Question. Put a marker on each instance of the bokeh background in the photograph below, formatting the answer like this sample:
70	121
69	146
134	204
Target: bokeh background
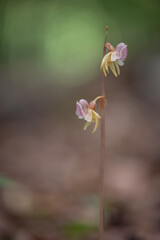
50	55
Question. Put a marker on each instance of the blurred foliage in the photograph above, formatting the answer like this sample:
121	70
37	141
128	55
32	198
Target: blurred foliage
66	37
77	230
5	182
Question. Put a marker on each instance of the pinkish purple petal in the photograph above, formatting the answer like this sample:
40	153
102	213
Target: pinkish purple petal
85	106
120	46
123	53
79	111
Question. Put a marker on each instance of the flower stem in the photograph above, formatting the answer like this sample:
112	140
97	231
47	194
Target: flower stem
97	98
102	154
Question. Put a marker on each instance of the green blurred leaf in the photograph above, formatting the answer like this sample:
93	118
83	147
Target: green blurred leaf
77	230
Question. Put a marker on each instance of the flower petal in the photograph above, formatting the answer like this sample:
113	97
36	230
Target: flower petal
120	46
95	114
103	67
96	125
123	53
86	125
117	67
84	104
79	111
112	67
107	62
103	62
96	117
106	68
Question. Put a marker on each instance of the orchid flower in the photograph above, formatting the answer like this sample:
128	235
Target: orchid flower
114	58
86	111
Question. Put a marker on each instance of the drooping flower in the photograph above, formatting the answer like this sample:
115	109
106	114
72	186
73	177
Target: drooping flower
86	111
114	58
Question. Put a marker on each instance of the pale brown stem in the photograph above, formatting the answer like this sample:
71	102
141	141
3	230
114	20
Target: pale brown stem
97	98
102	155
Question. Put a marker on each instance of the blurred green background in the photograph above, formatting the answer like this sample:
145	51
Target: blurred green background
65	37
50	56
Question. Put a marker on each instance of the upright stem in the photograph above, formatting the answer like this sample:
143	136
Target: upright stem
102	156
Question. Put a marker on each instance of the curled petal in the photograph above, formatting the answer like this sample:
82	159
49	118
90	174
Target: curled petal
103	66
106	69
86	125
105	63
95	118
79	111
108	56
117	67
112	67
96	125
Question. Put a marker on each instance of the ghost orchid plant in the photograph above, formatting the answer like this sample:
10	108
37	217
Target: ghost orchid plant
84	110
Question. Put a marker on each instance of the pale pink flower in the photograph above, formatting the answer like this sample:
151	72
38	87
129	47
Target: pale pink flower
86	111
114	58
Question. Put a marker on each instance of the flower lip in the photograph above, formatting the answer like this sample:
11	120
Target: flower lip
114	56
88	116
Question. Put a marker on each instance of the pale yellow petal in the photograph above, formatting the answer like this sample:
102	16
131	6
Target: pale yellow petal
86	125
112	67
109	57
95	117
106	68
104	64
117	67
108	61
95	114
96	124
